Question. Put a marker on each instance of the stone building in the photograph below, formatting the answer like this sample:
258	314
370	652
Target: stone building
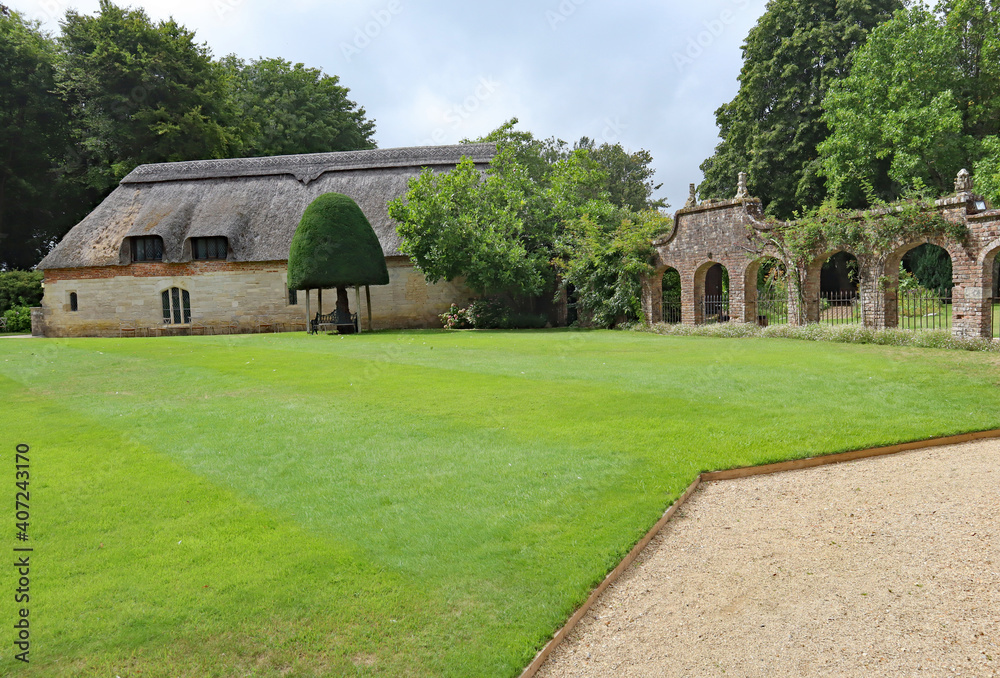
203	246
726	236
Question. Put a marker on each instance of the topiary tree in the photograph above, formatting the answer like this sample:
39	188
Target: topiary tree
335	247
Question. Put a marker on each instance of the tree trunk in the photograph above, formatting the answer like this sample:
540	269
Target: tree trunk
343	309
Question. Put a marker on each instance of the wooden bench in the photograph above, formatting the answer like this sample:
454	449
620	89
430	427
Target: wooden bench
331	321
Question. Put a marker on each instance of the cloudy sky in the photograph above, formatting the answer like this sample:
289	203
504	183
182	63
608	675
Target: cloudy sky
646	73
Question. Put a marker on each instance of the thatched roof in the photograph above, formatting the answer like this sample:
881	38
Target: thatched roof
335	246
255	202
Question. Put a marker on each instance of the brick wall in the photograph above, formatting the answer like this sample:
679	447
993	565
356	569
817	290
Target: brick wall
723	232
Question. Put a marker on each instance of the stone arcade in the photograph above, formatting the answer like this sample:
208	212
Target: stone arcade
725	233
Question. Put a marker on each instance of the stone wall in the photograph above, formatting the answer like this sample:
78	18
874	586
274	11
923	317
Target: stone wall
221	294
727	233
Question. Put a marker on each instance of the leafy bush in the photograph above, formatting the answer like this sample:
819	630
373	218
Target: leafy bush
526	321
20	288
18	319
605	254
490	314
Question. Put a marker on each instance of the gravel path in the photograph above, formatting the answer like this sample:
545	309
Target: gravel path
879	567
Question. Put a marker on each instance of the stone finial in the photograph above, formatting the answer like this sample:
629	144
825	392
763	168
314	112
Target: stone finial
963	184
692	197
741	190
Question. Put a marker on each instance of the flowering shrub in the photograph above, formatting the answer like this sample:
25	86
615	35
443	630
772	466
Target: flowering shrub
489	314
456	318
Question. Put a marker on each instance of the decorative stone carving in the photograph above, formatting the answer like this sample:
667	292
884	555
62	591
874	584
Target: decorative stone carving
963	183
692	200
741	187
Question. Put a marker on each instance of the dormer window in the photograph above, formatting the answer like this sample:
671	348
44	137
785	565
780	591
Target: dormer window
209	248
147	248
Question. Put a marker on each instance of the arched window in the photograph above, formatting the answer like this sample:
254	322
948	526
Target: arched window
147	248
73	303
176	306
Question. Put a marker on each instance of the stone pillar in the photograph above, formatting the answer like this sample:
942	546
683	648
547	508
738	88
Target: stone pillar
37	321
652	298
737	293
971	310
807	302
691	298
879	303
796	307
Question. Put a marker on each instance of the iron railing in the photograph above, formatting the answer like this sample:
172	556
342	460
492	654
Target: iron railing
924	310
770	308
840	308
672	308
715	308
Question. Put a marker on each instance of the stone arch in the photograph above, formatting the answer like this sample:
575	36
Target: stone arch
811	303
711	302
672	295
988	268
931	311
773	307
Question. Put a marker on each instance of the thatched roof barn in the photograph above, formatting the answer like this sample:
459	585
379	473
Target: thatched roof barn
255	202
172	225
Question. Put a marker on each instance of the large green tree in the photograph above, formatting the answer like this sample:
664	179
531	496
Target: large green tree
629	175
285	109
922	102
895	119
140	92
34	136
772	128
538	209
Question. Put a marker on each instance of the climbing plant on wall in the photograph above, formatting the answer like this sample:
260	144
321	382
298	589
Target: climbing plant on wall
874	233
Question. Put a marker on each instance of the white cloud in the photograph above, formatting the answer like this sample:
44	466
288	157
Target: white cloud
608	71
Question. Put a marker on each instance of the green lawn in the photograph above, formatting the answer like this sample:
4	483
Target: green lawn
396	504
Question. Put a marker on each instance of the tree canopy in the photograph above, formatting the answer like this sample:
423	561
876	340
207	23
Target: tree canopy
34	136
140	92
286	109
772	128
114	90
504	229
335	246
922	102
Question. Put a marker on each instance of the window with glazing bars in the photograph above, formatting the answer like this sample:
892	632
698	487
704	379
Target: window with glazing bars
176	306
293	297
147	248
209	248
